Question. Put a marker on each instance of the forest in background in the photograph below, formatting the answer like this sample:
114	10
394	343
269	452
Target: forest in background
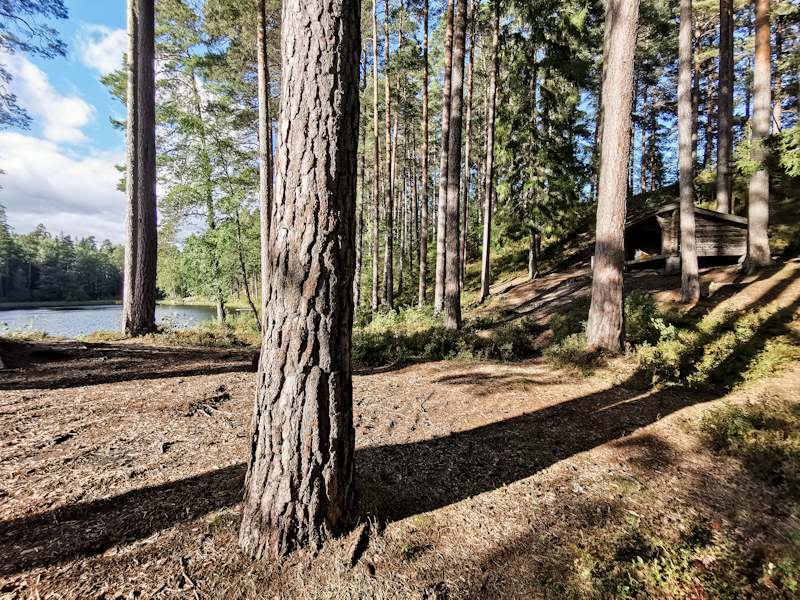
40	267
546	137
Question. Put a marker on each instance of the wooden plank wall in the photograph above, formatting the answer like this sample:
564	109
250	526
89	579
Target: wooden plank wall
714	237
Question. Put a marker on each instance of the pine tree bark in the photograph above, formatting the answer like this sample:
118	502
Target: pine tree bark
696	96
376	163
388	261
441	231
423	226
300	481
643	169
690	279
709	119
140	314
605	328
489	174
264	143
468	146
725	105
452	301
361	173
131	172
758	255
777	109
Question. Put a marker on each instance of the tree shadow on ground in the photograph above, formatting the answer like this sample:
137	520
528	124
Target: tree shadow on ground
595	545
90	528
52	365
406	479
394	481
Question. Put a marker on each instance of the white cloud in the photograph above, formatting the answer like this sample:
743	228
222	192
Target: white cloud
102	48
69	194
63	117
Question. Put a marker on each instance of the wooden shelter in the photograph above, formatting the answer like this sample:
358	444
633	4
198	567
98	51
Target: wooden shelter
657	234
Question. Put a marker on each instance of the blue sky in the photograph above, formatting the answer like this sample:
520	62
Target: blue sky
61	171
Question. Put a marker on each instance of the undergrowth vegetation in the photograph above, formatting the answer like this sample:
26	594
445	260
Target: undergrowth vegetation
688	557
415	333
764	436
714	351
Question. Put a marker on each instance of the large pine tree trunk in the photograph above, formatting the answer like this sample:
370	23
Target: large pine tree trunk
423	226
605	328
452	300
441	231
300	480
141	313
376	162
487	202
725	116
264	143
690	280
758	255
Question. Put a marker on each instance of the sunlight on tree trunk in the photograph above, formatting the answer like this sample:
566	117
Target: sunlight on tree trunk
489	192
452	301
441	230
690	280
758	255
725	117
605	326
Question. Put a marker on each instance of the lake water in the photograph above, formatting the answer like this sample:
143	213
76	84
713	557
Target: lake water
81	320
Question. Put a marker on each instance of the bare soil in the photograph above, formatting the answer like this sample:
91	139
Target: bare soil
122	466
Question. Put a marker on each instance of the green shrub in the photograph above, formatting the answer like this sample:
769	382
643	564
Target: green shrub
242	321
721	351
412	333
766	437
570	320
569	351
640	319
642	325
104	336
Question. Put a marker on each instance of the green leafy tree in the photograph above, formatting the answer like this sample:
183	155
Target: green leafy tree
20	32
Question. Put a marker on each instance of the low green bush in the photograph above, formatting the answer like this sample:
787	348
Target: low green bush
765	437
409	334
720	351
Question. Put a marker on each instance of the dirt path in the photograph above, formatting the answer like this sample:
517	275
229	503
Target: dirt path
121	473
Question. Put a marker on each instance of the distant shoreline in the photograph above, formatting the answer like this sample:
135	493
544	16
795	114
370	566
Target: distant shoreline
65	304
61	304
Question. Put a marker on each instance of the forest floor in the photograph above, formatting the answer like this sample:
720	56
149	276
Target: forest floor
122	468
